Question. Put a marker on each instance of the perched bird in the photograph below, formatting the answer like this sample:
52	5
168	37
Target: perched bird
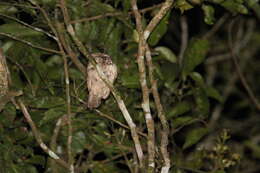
97	88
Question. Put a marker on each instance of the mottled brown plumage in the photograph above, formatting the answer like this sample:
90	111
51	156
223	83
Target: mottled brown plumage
97	88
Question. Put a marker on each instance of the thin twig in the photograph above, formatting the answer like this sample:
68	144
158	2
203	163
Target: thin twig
190	169
53	142
29	26
45	15
128	163
157	18
117	122
236	47
110	117
38	136
184	37
216	27
68	100
17	5
25	75
216	113
239	71
111	14
29	43
72	54
58	34
161	114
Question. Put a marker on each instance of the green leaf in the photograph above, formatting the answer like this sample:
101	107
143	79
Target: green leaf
18	30
7	45
8	10
220	171
167	54
182	121
255	6
93	30
209	12
36	159
158	70
169	72
213	93
255	148
54	61
240	1
173	86
40	66
217	1
126	5
24	168
197	2
97	8
202	102
75	74
198	79
159	30
183	5
234	7
46	102
112	43
130	77
106	31
19	134
194	136
82	31
48	2
194	55
52	114
7	116
54	73
19	151
130	81
104	168
179	109
251	3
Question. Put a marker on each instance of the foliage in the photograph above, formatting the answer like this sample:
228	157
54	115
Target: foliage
200	92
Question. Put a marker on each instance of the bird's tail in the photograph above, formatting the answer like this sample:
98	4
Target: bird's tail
93	101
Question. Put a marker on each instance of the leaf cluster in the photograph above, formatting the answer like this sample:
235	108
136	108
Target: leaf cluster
190	87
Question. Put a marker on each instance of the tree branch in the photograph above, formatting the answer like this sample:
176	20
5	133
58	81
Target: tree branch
38	136
111	14
68	98
184	37
161	114
239	71
29	43
145	90
157	18
116	94
29	26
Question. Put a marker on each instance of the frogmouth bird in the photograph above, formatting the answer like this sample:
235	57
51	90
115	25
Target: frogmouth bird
97	88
